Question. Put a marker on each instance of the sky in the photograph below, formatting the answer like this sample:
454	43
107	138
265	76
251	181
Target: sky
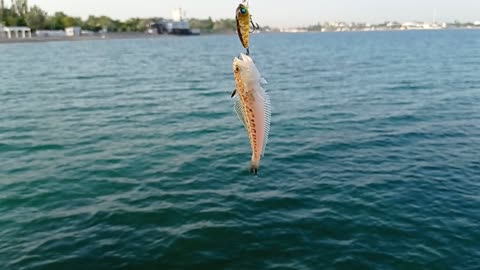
276	13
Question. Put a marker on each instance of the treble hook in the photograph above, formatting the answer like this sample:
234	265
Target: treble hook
254	25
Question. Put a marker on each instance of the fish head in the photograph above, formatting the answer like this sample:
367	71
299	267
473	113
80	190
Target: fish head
242	12
242	63
245	69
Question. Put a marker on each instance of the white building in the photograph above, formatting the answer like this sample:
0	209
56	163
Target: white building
73	31
293	30
476	23
412	26
86	33
17	32
50	33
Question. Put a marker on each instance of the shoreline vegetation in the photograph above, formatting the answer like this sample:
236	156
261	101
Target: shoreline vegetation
19	14
104	27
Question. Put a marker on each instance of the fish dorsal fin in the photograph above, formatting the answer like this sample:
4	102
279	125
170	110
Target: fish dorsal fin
237	106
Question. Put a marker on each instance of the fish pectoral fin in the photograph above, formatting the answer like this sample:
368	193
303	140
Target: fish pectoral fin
234	92
239	111
263	81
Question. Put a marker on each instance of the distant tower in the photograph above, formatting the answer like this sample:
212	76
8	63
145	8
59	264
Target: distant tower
178	15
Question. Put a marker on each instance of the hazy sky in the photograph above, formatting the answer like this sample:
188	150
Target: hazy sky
276	13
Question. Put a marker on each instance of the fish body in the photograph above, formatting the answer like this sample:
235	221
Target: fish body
243	24
252	105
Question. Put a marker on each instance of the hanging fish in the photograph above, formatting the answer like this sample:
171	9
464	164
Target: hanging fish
252	105
243	25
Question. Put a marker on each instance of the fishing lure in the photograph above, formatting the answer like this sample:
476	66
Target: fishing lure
244	21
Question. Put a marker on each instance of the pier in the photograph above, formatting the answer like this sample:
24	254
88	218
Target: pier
15	32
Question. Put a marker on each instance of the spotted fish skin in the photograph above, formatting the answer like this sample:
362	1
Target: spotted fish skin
252	106
243	24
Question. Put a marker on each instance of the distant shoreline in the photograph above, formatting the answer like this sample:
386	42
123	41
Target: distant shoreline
107	36
113	36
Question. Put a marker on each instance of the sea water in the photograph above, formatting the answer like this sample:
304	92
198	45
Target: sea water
126	154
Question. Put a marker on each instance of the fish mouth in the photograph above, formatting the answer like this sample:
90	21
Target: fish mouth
242	60
243	57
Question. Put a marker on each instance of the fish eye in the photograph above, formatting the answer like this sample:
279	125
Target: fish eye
243	10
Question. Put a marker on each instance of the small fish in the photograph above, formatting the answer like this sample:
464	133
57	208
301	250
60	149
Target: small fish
243	24
252	105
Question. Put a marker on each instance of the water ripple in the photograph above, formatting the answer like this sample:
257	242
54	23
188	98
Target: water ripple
134	159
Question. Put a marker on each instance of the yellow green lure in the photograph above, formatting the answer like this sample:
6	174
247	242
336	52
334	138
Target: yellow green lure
243	25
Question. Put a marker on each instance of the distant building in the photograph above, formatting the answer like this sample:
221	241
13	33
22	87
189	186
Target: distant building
293	30
50	33
412	26
177	26
73	31
394	25
169	27
87	33
476	23
17	32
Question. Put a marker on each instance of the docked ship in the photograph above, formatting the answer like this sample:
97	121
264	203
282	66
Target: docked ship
178	25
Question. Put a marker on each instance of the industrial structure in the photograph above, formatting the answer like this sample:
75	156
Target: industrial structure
178	25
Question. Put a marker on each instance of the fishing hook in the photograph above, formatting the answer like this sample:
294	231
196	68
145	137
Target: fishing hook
255	25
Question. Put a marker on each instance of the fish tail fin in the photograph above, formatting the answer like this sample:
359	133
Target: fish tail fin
254	166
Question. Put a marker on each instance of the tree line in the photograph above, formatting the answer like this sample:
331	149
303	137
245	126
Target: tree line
37	19
210	26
